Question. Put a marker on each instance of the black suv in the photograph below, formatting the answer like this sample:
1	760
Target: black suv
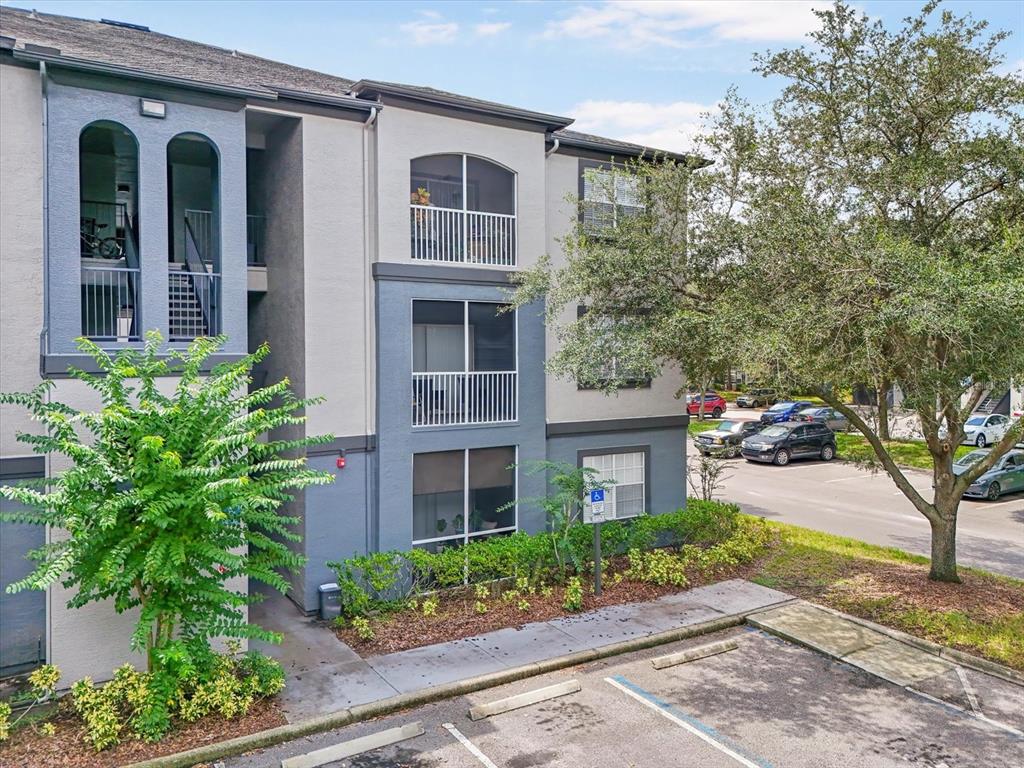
787	440
725	440
755	398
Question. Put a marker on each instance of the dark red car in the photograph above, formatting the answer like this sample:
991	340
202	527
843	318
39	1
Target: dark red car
714	404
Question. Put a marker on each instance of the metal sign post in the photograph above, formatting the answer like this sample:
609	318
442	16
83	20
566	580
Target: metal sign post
596	517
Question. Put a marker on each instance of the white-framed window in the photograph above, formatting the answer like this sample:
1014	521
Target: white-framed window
612	367
608	194
463	494
625	474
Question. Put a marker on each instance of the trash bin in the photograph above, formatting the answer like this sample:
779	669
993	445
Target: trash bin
330	601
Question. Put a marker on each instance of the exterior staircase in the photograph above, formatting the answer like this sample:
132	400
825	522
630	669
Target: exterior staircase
185	315
992	400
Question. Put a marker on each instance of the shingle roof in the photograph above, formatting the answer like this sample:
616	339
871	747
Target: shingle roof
374	87
614	146
161	54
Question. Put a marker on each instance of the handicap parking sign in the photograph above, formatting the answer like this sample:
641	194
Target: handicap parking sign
597	495
595	513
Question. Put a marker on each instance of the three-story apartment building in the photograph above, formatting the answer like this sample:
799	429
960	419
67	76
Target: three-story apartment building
366	230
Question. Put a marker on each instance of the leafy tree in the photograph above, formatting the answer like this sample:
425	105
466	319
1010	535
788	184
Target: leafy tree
650	271
169	496
887	206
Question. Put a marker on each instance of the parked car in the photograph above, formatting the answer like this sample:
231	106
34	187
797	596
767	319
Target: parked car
983	429
1006	476
714	404
787	440
830	417
755	398
784	411
726	440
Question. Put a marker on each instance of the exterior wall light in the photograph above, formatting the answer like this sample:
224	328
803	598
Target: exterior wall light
150	108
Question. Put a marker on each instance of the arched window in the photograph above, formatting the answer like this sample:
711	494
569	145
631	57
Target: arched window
108	185
193	227
462	209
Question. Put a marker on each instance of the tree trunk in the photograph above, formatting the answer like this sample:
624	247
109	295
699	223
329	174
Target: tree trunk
882	393
944	550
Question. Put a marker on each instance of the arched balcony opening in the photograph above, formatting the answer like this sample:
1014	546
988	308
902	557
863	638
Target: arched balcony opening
108	185
193	231
462	209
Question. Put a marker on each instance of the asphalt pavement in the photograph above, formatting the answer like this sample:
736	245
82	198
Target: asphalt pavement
766	703
843	499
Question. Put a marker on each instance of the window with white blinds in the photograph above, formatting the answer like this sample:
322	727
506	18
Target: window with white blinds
608	194
624	473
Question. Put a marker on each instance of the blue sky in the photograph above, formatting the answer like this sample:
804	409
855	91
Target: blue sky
636	70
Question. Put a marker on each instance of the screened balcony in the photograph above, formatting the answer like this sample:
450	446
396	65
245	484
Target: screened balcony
462	210
464	364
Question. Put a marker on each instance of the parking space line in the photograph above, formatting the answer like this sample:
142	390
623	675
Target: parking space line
484	759
976	715
696	727
971	698
844	479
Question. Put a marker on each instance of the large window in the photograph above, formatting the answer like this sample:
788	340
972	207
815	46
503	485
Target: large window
463	209
613	365
463	362
626	474
464	494
608	194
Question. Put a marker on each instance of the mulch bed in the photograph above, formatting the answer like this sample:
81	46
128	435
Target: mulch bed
456	618
28	748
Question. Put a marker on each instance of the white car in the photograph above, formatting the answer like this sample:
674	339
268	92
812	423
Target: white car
983	429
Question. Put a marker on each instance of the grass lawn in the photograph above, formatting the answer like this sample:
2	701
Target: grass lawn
984	615
906	453
696	427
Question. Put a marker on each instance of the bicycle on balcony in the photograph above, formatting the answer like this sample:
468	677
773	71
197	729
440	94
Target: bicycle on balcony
97	247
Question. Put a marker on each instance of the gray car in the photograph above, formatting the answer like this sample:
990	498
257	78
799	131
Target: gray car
830	417
1006	476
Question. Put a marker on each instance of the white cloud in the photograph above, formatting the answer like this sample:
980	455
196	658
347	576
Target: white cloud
678	23
428	33
668	125
491	28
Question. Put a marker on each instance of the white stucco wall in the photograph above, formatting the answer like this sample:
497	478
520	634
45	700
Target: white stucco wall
565	401
21	245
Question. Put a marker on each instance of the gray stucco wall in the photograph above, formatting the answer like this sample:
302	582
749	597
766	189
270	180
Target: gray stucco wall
21	246
71	109
336	517
398	441
667	469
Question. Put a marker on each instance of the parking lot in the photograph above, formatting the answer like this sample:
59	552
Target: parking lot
846	500
767	703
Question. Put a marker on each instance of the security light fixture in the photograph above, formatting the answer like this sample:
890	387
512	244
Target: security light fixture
150	108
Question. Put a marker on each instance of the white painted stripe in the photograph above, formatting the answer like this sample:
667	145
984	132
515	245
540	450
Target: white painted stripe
976	715
755	493
971	698
683	724
844	479
484	759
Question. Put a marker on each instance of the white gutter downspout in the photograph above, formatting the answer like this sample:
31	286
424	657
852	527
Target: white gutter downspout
554	147
367	324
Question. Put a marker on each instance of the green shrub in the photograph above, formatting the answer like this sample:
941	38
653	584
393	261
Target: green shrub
384	581
190	684
363	629
573	595
658	566
5	721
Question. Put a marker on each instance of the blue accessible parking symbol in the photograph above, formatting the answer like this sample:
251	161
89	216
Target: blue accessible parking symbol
597	495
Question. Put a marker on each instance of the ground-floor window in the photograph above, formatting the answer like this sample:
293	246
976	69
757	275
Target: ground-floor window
461	495
626	474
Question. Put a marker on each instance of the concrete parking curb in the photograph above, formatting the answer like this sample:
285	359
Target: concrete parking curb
343	717
935	649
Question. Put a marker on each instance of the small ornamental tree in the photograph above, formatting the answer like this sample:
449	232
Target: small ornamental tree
169	497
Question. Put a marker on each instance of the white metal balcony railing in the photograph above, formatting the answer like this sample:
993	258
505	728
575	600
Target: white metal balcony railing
470	237
110	297
192	308
441	399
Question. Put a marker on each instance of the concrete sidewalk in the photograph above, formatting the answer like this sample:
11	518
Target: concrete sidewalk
325	675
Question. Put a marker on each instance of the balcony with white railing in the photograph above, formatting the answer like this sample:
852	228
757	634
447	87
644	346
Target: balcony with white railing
462	210
110	301
452	398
